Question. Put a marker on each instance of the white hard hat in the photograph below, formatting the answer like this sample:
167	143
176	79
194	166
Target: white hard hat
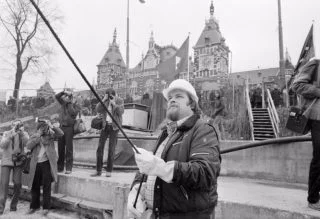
181	84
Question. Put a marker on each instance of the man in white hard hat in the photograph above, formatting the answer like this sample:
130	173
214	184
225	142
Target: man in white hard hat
182	173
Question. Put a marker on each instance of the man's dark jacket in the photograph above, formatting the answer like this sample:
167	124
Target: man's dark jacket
193	191
68	112
116	110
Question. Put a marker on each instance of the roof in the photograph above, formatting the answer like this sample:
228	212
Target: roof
210	35
113	54
255	76
46	86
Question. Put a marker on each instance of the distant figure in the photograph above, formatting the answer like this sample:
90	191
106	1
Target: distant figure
276	96
93	102
307	84
12	143
43	164
218	105
218	112
68	113
109	129
257	97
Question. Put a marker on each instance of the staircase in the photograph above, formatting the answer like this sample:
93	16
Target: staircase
262	126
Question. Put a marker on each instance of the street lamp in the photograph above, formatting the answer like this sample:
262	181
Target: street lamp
127	55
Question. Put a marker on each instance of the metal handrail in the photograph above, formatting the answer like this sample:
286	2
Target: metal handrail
275	121
249	108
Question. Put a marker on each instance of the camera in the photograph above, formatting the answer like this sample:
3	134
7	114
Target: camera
111	97
18	126
43	124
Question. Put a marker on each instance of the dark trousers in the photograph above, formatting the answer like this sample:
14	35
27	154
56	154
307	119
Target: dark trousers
113	139
314	172
4	186
42	177
65	149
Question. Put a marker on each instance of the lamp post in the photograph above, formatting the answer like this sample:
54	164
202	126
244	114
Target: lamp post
127	48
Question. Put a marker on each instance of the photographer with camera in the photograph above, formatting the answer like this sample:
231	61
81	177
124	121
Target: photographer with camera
109	128
43	164
67	118
12	143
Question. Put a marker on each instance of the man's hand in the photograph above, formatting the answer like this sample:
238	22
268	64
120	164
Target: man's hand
154	166
56	125
49	124
136	212
105	98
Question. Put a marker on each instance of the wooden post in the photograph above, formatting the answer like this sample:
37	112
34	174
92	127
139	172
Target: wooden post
120	202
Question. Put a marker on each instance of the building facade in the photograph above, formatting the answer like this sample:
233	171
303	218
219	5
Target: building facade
211	57
112	69
208	70
145	77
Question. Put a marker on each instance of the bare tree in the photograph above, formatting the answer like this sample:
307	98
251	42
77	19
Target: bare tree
27	48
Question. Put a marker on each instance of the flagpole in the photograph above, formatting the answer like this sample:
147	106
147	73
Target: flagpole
188	73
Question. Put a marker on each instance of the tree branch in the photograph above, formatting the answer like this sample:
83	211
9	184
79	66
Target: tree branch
6	27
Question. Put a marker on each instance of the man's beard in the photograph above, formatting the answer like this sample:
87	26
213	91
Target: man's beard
173	113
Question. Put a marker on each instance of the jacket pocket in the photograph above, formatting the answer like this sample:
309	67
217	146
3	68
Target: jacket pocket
195	154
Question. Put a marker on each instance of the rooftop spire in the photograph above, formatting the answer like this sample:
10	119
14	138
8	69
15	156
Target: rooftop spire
114	36
211	9
151	41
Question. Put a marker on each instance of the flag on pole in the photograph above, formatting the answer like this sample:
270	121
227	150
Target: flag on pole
307	51
172	67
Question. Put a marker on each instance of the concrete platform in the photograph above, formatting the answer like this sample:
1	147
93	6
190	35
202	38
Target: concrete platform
238	197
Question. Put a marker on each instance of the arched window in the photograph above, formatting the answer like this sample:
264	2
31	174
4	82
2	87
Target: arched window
149	85
134	88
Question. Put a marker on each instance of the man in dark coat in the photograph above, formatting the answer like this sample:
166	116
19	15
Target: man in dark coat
182	173
276	96
67	118
307	84
109	129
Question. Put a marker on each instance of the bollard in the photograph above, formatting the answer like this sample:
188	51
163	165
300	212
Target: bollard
120	202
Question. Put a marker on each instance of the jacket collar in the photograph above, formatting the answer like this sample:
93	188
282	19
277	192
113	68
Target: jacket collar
188	124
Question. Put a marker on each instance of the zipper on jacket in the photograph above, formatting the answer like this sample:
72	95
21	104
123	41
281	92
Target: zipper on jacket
183	190
194	154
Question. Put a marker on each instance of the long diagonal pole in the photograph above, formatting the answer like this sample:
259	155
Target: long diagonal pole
81	74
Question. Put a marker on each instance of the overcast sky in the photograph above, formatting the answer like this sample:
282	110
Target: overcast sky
250	28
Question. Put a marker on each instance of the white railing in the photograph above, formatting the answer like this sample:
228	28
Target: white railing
249	108
274	117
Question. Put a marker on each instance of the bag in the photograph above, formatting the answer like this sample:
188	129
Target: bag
26	166
298	120
19	159
79	126
97	123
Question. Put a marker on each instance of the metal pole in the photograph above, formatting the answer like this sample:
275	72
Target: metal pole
188	62
287	93
263	100
281	62
127	53
232	94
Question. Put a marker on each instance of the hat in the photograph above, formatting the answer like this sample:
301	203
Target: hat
181	84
